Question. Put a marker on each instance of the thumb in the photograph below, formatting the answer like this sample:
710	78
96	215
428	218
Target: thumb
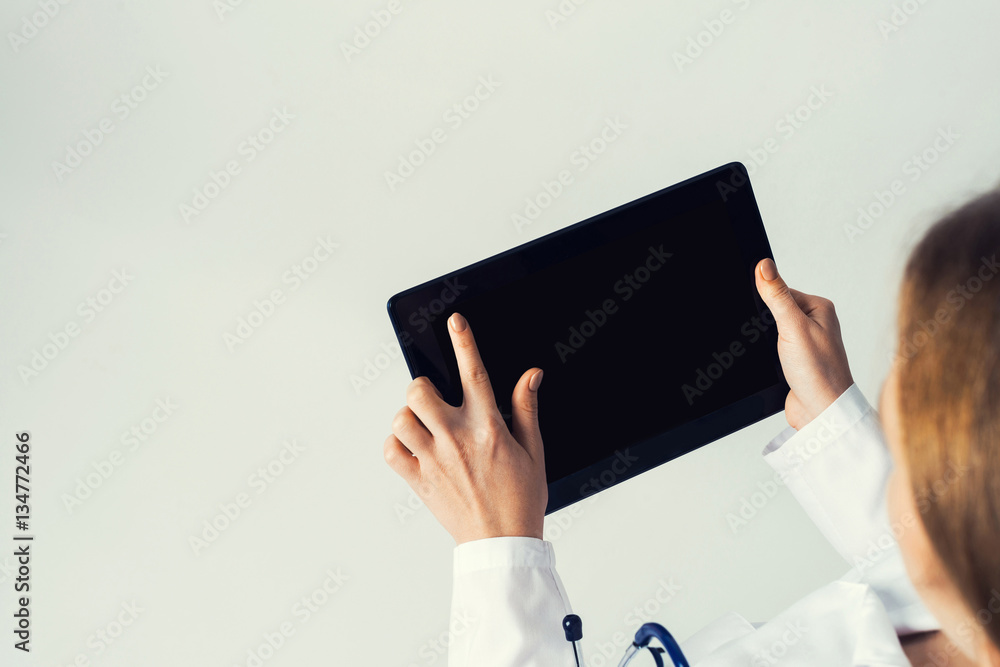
524	409
777	296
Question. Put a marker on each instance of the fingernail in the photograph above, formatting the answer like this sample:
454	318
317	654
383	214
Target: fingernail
457	322
535	380
768	270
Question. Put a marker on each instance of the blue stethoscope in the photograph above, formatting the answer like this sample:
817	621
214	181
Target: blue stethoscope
573	627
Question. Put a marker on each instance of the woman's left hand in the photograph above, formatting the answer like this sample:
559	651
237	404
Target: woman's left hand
479	479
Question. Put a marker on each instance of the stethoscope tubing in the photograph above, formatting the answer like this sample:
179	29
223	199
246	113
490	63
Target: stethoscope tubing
573	627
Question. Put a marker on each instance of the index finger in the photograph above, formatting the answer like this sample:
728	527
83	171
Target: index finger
475	381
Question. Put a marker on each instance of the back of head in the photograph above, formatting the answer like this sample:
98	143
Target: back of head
949	397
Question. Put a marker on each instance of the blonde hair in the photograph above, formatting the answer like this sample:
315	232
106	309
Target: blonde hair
949	397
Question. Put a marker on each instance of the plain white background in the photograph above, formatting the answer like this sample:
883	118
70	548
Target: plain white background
336	506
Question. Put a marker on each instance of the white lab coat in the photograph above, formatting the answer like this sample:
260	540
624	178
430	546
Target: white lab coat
512	600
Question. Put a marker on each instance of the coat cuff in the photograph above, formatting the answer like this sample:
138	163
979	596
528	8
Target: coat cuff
503	552
791	448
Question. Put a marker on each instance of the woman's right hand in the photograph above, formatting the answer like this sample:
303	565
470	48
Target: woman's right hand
810	346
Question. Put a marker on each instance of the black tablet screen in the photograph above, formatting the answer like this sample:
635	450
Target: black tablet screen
645	319
622	332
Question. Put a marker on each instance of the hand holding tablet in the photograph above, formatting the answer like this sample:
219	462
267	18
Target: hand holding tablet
481	480
646	320
477	477
810	346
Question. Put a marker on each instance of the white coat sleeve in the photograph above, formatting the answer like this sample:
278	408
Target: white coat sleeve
513	603
837	467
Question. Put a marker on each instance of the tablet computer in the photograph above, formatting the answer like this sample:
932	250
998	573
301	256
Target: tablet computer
646	320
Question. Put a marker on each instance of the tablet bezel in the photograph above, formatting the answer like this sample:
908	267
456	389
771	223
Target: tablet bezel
442	296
